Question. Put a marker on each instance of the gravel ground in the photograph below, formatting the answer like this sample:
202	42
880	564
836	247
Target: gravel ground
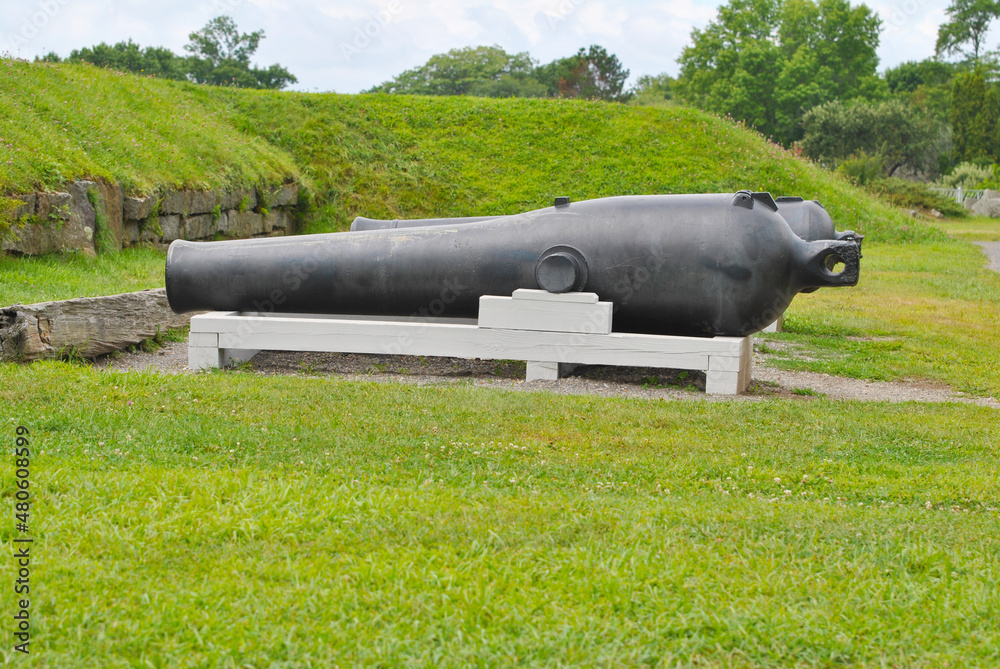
603	381
586	380
992	253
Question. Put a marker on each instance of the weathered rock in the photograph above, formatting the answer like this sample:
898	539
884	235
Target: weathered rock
278	219
81	209
244	199
188	202
130	233
26	209
138	208
969	202
279	196
148	236
245	224
199	227
52	207
63	222
111	196
88	326
170	225
222	225
991	194
175	202
987	207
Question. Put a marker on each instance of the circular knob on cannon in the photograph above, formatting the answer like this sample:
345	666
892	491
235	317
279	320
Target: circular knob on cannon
561	269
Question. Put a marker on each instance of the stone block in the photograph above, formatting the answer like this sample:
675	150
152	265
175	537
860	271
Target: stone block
171	227
64	222
987	207
26	209
52	207
199	227
176	202
138	208
245	199
222	225
279	196
277	218
147	236
130	233
245	224
111	195
202	201
81	210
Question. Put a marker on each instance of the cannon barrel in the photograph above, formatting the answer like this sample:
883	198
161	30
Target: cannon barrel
807	218
719	264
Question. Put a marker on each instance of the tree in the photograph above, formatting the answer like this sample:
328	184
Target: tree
975	119
891	129
130	57
591	74
487	71
966	30
909	76
221	56
768	61
220	41
656	90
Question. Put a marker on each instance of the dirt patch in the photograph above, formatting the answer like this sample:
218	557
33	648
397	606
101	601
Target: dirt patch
599	380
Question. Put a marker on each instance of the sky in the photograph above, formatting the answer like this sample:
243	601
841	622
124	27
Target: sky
350	45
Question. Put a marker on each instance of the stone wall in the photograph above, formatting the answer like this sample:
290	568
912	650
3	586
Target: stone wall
55	222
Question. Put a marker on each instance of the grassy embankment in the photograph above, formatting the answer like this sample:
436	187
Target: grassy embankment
230	519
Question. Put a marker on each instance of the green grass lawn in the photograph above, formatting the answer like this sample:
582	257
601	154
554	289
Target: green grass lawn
62	277
234	520
973	228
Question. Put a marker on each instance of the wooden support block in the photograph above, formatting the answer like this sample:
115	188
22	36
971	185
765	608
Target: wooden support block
546	296
541	371
203	357
540	311
204	339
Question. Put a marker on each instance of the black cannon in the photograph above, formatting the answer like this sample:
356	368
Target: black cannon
705	265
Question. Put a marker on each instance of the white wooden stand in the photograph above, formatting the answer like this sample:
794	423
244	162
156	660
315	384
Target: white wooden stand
551	332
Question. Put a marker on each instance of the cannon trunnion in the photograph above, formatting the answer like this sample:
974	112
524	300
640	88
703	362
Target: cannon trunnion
706	265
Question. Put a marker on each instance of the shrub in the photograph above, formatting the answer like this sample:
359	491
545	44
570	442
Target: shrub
967	175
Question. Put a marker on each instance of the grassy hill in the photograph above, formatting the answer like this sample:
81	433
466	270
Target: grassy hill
396	156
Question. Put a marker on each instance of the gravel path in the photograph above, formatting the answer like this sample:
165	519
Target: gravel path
992	254
602	381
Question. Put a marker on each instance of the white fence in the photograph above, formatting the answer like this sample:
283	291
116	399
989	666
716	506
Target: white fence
960	195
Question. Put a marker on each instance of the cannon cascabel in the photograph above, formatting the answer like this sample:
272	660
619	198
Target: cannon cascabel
703	265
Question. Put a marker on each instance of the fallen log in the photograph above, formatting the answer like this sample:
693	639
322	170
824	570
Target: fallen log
84	327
